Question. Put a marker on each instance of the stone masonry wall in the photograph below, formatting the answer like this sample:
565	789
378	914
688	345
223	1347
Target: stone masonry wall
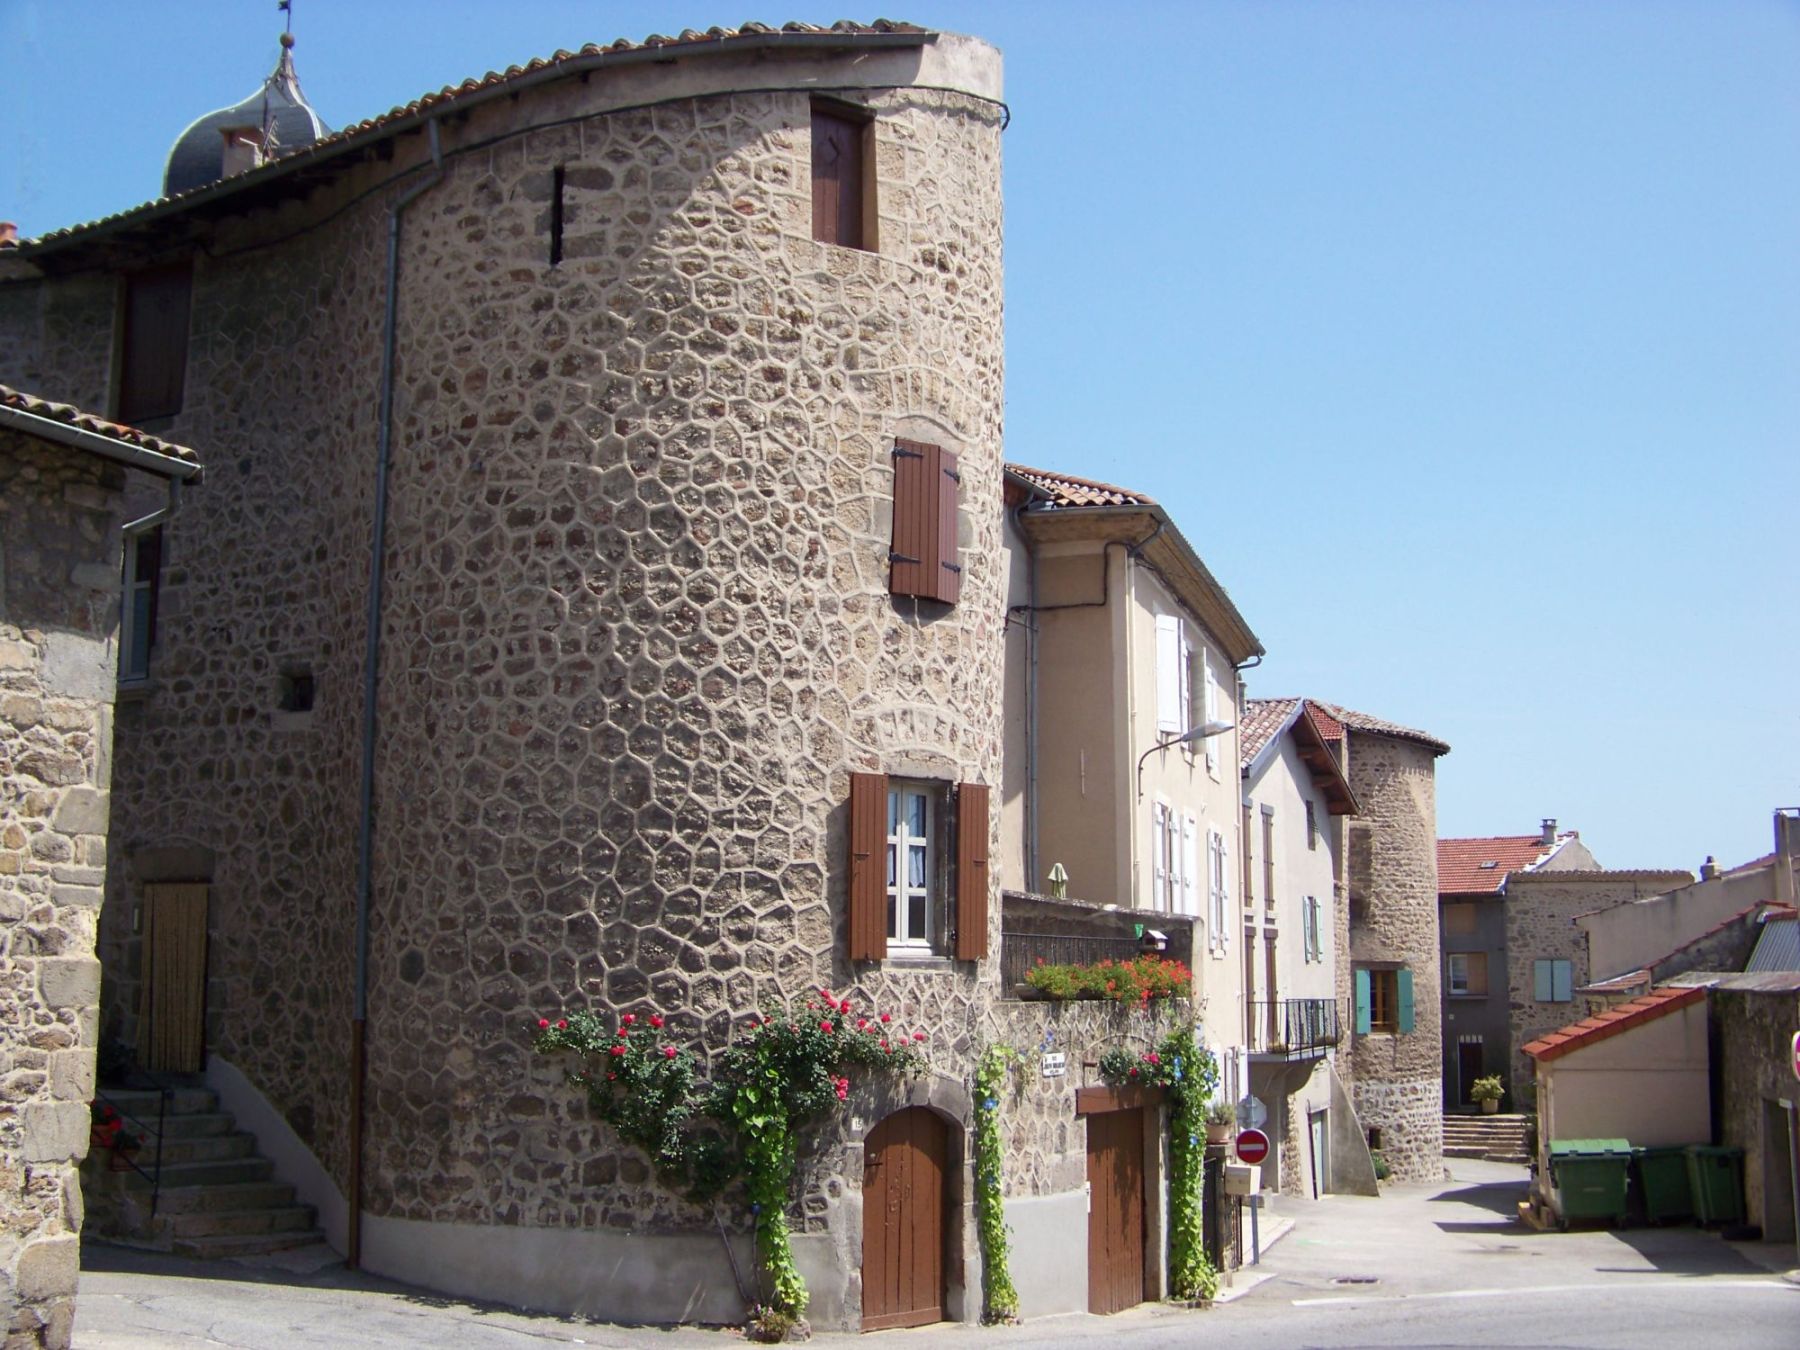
58	608
1540	925
1397	1079
1754	1030
636	636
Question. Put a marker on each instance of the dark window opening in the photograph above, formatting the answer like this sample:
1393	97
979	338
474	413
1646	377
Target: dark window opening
295	693
843	176
137	627
153	349
556	215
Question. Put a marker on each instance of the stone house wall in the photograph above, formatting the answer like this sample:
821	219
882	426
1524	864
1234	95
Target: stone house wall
1753	1068
59	604
1398	1078
636	633
1540	925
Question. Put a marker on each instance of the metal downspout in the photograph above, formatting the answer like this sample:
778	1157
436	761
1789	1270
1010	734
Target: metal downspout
1032	879
365	827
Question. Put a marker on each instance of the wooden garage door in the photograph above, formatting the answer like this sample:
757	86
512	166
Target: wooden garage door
904	1170
1115	1169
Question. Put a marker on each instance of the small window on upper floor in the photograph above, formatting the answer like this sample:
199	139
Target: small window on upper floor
1553	981
137	617
1312	826
153	343
843	175
1383	1000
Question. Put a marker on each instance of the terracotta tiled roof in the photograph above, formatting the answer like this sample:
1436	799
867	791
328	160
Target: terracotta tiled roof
98	426
1357	721
1481	866
1329	728
1065	491
689	40
1578	1035
1261	719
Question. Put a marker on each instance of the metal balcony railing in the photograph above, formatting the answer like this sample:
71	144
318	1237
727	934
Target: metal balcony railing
1298	1028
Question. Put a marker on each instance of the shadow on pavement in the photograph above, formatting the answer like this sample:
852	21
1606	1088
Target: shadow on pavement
1498	1197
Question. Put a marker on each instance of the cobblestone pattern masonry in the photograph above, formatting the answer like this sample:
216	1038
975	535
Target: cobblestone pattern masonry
1397	1079
637	633
58	610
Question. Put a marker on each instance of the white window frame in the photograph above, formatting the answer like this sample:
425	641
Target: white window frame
129	585
1209	712
1160	861
1170	719
1456	973
900	842
1218	893
1190	865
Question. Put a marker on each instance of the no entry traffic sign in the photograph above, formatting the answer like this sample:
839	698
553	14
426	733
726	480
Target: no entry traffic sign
1252	1146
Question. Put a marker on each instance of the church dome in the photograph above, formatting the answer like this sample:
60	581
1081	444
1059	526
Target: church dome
275	120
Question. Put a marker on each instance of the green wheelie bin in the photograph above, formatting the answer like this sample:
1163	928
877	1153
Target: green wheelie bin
1590	1177
1662	1181
1717	1177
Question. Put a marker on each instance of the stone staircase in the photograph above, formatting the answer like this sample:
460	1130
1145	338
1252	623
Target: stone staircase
1497	1138
216	1196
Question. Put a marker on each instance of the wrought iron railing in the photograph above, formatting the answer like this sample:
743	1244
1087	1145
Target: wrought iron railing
1295	1027
142	1132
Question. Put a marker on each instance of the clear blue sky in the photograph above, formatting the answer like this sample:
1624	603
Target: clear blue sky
1461	339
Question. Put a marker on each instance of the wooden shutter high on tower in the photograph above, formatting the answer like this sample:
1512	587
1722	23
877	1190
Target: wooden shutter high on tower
153	354
971	871
923	558
868	866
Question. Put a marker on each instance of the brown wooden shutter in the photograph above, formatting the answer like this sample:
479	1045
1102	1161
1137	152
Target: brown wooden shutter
868	866
948	574
154	356
837	179
913	556
971	871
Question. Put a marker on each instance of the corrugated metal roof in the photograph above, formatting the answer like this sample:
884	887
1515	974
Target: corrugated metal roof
1777	949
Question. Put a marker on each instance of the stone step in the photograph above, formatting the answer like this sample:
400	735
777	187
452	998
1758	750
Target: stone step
181	1149
241	1222
229	1196
223	1172
245	1244
192	1126
144	1103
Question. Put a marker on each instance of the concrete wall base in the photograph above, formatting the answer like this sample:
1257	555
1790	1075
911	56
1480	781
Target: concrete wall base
1049	1252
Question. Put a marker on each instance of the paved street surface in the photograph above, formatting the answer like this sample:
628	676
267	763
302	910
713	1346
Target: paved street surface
1419	1267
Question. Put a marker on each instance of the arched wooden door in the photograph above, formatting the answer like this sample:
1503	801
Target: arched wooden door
905	1168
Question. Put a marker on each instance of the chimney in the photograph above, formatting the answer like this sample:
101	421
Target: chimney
9	234
1549	840
1787	853
1709	869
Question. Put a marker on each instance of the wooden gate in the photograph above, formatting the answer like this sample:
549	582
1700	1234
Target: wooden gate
1115	1171
172	1016
905	1167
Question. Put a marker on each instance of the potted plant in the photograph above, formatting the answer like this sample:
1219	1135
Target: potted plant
1488	1091
1221	1118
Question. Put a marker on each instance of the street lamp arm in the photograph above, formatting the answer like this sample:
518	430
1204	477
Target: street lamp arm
1205	731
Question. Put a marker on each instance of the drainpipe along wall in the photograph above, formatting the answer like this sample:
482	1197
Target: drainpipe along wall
365	828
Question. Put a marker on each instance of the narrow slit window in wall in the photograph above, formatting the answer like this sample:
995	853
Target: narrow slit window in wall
556	215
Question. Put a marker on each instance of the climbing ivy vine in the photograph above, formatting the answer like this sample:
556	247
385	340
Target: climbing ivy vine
1000	1300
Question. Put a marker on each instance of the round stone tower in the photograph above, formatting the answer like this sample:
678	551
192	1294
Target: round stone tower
660	352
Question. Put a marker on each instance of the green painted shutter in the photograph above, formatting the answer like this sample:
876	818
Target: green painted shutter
1362	1003
1561	981
1403	981
1540	979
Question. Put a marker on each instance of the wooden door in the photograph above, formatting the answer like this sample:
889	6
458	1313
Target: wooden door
905	1167
1115	1169
172	1016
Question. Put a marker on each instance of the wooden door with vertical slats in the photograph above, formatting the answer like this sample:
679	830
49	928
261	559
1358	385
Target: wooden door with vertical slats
905	1166
1115	1168
172	1015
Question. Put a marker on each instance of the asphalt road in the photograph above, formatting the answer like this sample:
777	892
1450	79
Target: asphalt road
1418	1267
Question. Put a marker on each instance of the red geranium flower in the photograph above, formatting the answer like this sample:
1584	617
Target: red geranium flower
562	1024
629	1018
543	1022
618	1050
862	1024
668	1052
918	1035
655	1020
887	1017
824	1026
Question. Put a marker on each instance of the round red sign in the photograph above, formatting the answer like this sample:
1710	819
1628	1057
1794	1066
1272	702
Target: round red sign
1252	1146
1797	1054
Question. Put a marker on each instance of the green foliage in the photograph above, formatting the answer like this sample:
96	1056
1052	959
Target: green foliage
788	1068
1136	981
1000	1300
1190	1076
1220	1112
1487	1089
1381	1164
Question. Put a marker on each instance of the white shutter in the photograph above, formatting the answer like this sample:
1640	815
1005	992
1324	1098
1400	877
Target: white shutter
1159	855
1215	888
1190	865
1168	675
1185	699
1210	713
